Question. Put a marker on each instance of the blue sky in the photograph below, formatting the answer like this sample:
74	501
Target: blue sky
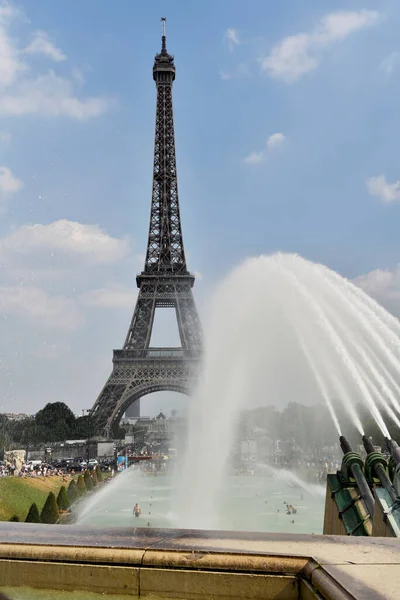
286	121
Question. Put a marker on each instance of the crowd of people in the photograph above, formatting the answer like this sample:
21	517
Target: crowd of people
31	470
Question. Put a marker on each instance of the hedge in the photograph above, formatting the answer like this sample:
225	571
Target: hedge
72	491
80	486
50	512
33	515
62	499
88	480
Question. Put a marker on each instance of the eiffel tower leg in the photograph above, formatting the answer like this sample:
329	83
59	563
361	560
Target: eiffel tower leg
131	380
188	321
105	404
139	332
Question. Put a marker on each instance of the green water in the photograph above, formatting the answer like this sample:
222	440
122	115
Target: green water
248	503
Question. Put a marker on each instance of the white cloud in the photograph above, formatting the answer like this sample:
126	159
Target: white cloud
384	286
88	242
35	304
241	70
41	44
275	140
11	65
23	91
224	75
254	158
232	38
9	184
51	350
389	63
50	95
113	297
296	55
387	192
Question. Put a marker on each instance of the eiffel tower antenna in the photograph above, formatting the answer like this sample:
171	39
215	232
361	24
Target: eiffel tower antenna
165	281
163	38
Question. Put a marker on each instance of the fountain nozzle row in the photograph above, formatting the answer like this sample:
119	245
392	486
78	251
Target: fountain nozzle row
352	462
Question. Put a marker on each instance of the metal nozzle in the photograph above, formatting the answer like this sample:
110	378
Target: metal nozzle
344	444
368	445
394	449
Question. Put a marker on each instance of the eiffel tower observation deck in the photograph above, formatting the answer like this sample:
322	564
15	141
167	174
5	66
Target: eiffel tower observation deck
165	282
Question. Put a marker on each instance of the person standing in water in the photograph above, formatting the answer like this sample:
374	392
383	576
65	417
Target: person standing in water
137	510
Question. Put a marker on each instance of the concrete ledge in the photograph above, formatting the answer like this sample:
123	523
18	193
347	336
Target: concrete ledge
196	585
199	564
224	562
63	576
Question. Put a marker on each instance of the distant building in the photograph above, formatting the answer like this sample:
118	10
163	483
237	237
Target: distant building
133	411
17	416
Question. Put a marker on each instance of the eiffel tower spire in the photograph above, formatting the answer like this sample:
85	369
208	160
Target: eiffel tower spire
165	281
165	251
163	37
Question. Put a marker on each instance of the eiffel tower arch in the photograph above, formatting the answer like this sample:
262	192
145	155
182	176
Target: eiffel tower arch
165	282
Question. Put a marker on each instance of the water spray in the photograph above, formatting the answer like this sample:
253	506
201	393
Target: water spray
376	466
352	462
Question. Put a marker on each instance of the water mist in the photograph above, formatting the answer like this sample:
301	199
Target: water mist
283	329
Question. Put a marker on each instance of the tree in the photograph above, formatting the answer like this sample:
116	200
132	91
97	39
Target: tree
33	515
84	427
63	502
80	486
72	492
94	478
88	480
99	474
50	512
118	432
57	421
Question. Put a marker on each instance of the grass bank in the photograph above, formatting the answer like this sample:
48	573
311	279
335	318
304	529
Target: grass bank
17	494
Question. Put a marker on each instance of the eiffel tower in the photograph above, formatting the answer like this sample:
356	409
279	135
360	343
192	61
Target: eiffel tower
165	282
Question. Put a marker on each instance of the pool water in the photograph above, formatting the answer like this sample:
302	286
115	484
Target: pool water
248	503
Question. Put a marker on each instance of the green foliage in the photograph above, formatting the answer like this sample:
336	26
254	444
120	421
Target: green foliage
17	494
84	427
54	423
80	486
33	515
94	478
63	501
99	474
118	432
72	491
14	518
57	419
50	512
88	480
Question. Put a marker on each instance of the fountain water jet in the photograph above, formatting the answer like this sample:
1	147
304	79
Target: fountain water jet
295	331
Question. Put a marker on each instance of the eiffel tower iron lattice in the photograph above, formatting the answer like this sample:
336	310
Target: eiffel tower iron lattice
139	369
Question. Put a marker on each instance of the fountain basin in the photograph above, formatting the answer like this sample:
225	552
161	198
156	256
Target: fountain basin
192	564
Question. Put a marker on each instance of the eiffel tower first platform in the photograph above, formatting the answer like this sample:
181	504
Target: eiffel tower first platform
139	369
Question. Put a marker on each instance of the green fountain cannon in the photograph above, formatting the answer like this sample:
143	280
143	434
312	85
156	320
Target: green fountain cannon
349	503
387	502
394	463
353	467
